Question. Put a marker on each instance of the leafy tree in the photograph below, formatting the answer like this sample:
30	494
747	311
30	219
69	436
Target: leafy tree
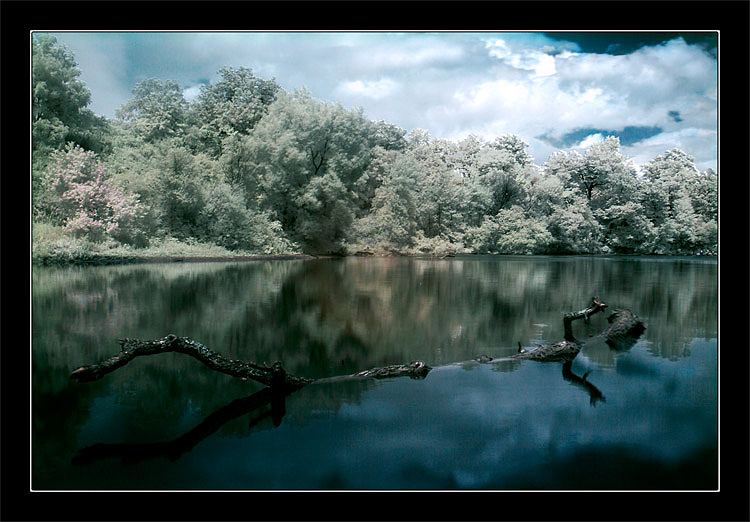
672	174
705	195
179	190
592	170
157	110
682	204
677	234
387	136
134	166
303	149
574	230
233	105
626	229
474	199
515	147
58	107
229	223
499	170
324	214
465	156
510	231
705	201
438	197
392	223
58	96
567	215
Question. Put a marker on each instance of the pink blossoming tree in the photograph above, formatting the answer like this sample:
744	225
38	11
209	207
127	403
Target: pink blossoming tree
86	202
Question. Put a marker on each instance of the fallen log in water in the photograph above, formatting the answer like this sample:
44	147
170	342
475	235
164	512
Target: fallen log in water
270	402
624	325
568	349
415	370
273	376
132	348
557	352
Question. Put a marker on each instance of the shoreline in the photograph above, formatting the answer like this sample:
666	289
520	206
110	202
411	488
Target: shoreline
102	260
105	260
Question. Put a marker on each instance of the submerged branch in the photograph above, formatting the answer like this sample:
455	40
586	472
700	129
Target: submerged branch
567	349
558	352
273	376
595	306
415	370
624	328
624	325
132	348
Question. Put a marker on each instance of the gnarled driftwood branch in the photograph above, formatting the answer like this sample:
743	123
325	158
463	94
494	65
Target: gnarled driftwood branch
624	325
273	376
132	348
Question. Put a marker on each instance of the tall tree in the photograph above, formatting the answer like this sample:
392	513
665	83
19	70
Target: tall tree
705	196
306	149
592	170
674	174
157	110
392	223
566	214
59	100
233	105
502	166
438	193
682	203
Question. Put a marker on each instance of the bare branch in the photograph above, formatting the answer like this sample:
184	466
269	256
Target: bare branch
132	348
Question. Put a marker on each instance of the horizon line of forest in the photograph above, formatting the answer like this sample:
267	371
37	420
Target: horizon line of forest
252	168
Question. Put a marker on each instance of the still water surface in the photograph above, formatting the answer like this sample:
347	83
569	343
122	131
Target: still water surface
646	417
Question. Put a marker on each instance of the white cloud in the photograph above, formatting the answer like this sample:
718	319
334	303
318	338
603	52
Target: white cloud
699	143
536	60
191	93
376	90
452	84
589	95
590	140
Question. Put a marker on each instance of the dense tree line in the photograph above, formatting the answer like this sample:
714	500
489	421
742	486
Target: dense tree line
252	167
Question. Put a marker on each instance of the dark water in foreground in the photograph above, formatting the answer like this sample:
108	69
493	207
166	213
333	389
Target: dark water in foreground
646	418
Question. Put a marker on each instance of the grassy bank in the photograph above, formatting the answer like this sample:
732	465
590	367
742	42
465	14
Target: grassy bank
52	246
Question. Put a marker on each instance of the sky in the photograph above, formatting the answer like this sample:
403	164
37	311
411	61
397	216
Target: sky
556	91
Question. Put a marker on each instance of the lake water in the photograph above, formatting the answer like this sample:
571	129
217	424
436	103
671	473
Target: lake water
645	418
